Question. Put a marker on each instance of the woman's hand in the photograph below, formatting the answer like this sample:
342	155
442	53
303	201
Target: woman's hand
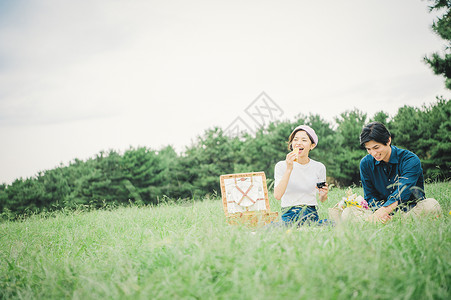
323	192
279	190
291	158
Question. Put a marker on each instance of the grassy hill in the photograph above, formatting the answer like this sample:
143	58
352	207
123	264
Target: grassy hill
188	251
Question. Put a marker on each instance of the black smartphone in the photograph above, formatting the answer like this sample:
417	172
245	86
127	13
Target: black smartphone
321	184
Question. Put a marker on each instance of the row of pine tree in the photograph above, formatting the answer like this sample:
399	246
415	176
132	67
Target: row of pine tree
149	176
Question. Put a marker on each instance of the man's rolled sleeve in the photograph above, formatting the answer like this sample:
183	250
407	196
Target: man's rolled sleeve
369	191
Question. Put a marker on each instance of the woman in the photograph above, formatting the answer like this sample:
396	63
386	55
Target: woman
296	179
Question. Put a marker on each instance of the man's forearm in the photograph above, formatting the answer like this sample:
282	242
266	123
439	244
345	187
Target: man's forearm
390	208
382	214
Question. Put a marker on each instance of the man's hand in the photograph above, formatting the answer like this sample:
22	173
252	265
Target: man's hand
382	215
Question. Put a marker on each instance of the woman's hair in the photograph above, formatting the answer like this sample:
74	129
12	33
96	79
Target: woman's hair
291	138
374	131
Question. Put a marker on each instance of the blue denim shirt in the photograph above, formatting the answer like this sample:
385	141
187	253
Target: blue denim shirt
401	179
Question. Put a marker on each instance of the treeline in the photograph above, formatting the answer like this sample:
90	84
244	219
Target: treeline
146	176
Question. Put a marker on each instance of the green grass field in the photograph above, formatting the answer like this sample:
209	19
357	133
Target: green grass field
188	251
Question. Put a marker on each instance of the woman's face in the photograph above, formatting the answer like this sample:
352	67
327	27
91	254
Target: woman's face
302	141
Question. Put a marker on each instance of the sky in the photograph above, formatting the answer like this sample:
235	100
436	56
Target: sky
80	77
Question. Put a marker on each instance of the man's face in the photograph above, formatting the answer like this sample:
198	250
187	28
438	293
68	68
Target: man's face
379	151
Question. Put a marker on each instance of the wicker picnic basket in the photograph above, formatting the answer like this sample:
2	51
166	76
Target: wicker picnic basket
245	199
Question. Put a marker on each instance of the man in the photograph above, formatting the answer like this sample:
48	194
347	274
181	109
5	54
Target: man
392	179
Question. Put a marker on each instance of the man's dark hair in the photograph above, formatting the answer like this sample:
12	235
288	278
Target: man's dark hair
375	131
